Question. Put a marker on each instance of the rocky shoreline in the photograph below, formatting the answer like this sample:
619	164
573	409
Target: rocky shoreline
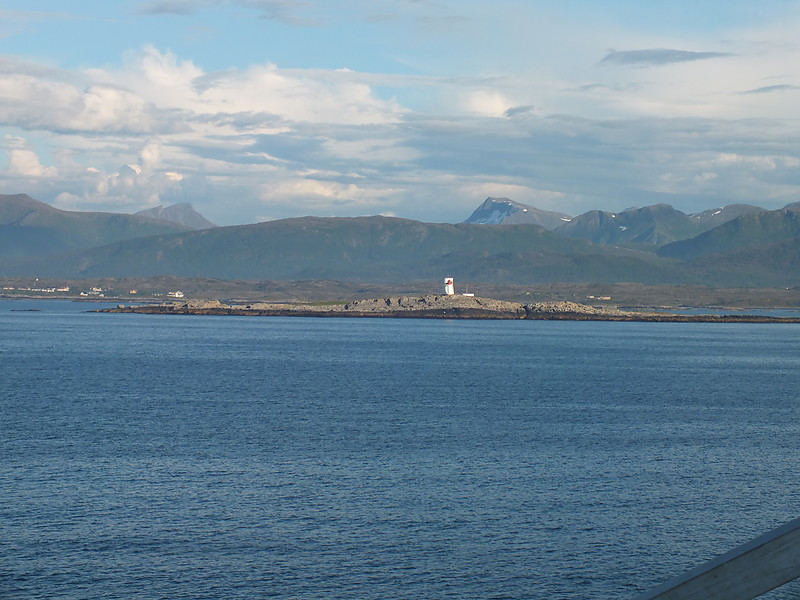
436	307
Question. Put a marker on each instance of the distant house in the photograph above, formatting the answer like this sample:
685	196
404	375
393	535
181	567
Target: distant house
176	294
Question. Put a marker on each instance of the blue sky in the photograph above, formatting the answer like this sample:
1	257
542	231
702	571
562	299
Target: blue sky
262	109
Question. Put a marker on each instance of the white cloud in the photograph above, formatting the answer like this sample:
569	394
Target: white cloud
150	156
129	187
351	199
705	177
32	102
156	93
24	162
294	96
490	103
756	162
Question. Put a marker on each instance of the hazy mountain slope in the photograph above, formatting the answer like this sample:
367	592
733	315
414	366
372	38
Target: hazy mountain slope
518	267
182	214
366	249
655	225
502	211
16	207
29	227
767	265
749	230
714	217
28	241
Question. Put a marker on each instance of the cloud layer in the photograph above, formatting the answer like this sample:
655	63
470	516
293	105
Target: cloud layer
696	124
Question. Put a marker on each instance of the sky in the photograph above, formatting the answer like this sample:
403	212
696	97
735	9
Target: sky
254	110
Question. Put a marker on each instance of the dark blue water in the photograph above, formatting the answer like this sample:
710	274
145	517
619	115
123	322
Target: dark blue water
763	312
239	458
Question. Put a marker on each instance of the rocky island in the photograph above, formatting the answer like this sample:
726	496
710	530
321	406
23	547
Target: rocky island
436	307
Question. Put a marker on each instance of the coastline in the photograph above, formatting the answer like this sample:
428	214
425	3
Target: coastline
438	307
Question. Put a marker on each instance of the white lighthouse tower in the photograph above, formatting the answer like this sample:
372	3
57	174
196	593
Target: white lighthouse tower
449	286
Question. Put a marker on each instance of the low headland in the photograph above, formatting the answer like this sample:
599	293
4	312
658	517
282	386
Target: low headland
437	307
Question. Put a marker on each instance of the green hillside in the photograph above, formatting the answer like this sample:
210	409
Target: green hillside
767	265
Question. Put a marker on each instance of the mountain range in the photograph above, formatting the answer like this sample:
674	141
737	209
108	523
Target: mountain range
738	245
654	225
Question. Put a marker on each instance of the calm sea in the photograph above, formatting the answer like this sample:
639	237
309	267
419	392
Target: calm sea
148	457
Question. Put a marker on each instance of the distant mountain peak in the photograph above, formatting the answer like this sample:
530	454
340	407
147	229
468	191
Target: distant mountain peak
504	211
713	217
15	207
182	213
793	206
653	225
